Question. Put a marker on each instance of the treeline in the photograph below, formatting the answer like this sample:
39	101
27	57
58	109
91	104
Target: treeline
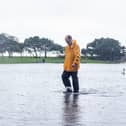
104	49
33	45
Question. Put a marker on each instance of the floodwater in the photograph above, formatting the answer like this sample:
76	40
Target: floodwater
31	95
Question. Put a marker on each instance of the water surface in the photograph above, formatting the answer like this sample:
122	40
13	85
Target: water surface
31	95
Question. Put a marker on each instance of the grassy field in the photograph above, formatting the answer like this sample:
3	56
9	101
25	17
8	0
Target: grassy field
15	60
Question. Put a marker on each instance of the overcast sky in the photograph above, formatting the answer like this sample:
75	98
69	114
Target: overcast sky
85	20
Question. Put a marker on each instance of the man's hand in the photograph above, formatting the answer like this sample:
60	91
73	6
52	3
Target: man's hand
74	65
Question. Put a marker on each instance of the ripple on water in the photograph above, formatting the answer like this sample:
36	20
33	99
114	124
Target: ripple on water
101	92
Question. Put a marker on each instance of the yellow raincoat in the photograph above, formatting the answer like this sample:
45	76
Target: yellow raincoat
72	56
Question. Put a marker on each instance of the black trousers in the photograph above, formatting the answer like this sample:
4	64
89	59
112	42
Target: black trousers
65	77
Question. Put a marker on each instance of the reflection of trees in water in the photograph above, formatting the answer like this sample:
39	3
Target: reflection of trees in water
71	110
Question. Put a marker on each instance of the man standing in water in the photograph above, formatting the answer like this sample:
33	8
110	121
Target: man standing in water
71	65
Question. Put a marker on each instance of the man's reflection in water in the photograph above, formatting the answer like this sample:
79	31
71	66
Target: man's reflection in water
71	110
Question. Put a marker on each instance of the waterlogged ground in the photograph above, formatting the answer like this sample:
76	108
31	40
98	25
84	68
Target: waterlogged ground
31	95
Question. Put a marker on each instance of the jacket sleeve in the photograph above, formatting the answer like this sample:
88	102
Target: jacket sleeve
77	55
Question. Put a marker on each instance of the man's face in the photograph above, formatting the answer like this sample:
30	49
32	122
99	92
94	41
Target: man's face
68	40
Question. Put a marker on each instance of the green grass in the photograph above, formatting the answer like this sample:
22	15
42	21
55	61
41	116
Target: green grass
15	60
12	60
94	61
54	60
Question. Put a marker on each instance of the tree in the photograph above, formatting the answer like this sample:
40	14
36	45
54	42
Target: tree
83	52
49	45
8	43
123	50
105	48
41	44
11	47
21	48
33	43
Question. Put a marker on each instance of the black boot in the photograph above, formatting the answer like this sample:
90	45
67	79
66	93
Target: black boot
68	90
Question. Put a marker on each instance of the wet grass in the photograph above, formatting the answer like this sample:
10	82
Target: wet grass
15	60
94	61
